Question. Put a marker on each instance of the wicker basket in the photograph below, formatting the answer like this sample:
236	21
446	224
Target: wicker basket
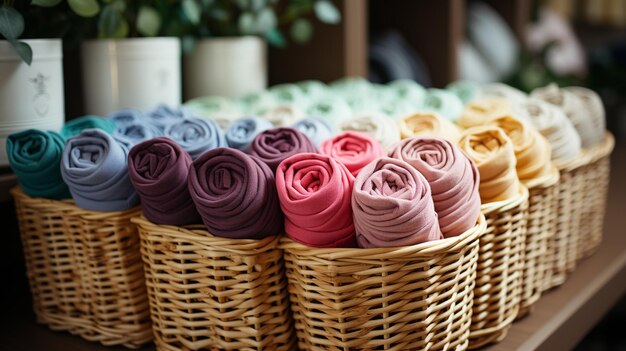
408	298
212	293
540	227
563	245
596	187
85	270
497	294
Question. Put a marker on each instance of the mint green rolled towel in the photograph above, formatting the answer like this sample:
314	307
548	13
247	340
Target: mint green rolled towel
35	157
466	90
75	126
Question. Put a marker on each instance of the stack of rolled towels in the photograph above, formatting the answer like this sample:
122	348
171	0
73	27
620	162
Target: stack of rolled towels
349	164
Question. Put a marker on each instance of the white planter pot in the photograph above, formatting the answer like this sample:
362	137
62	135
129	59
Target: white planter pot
228	67
137	73
30	96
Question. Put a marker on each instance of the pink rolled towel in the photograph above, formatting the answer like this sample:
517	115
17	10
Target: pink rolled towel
353	149
453	180
393	206
314	193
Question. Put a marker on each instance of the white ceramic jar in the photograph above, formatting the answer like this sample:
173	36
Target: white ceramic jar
30	96
136	73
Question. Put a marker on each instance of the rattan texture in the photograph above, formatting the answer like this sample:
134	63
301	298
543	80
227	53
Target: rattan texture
540	227
497	294
596	188
212	293
406	298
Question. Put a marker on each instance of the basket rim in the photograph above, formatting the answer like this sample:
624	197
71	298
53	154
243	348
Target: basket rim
604	148
506	205
18	193
546	181
199	233
427	248
581	160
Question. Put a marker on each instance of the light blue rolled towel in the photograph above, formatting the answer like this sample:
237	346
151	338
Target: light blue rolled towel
317	129
94	167
126	117
163	116
242	131
444	103
196	135
135	133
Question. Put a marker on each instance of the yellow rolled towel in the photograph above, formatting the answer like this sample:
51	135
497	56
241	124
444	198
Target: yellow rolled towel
479	112
494	155
428	124
532	150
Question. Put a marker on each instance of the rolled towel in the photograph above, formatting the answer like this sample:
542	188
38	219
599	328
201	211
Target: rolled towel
158	170
453	180
256	103
393	206
196	135
554	125
349	85
135	133
354	150
444	103
408	89
595	111
396	108
380	127
283	115
313	88
332	108
532	150
363	103
575	109
428	124
77	125
241	133
235	195
163	116
95	169
288	94
502	91
314	192
272	146
316	128
220	109
479	112
125	117
492	152
35	156
465	90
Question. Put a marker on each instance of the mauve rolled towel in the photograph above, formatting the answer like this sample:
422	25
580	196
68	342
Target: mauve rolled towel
314	192
196	135
95	169
35	156
453	180
393	206
158	169
274	145
235	194
353	149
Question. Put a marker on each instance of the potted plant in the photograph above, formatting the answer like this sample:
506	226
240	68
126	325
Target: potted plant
225	41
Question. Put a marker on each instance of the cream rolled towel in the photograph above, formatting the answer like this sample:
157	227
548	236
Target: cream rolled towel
575	109
552	123
503	91
492	152
283	115
532	150
594	110
380	127
428	124
478	112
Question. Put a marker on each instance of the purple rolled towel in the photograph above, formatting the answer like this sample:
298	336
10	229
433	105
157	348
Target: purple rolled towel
274	145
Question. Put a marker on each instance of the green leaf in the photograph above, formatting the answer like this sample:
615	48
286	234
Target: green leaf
265	20
11	23
111	24
242	4
327	12
45	3
24	50
188	44
84	8
192	11
257	5
301	31
246	23
275	38
148	21
119	5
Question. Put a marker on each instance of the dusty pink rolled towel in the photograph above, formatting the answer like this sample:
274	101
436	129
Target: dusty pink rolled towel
393	206
314	192
353	149
453	180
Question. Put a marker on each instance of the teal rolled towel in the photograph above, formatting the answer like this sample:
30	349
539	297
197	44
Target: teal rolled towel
35	157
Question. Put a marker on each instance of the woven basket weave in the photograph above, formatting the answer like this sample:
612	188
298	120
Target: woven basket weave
85	270
406	298
540	227
212	293
497	294
596	189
